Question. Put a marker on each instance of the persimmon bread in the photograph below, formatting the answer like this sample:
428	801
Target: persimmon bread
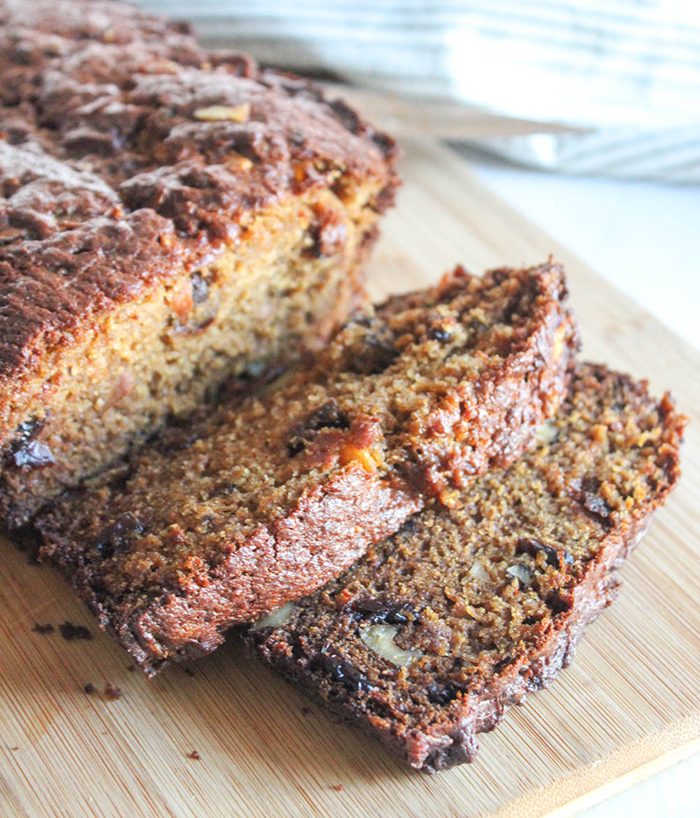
436	632
170	217
265	500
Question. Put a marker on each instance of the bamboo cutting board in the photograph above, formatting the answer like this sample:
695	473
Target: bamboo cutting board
629	705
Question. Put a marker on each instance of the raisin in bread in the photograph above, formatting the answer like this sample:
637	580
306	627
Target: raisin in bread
263	502
436	632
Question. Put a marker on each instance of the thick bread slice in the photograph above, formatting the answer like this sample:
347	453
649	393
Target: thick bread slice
436	632
266	501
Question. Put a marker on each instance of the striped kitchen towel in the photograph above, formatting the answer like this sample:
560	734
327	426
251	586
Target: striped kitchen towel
626	71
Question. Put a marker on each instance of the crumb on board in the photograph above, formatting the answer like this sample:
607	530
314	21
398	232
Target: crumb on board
89	688
112	692
194	755
338	787
306	711
28	542
188	671
131	668
43	629
69	631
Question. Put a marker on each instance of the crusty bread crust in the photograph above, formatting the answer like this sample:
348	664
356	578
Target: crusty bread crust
198	145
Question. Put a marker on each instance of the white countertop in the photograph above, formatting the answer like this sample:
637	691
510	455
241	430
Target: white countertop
645	239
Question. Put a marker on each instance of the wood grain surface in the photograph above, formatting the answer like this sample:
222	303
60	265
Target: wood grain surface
629	704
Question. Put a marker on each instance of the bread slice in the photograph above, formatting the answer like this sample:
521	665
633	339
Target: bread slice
266	501
169	218
437	631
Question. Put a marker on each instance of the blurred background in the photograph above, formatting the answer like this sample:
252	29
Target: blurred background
583	114
610	87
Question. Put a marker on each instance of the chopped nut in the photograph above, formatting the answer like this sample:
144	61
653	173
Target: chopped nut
548	432
558	345
124	386
380	639
274	619
162	66
477	571
224	113
238	162
521	572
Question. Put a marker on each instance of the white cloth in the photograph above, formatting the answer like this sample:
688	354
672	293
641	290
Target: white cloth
627	70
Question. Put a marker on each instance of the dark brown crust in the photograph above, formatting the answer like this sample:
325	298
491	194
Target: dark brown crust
117	172
182	609
440	742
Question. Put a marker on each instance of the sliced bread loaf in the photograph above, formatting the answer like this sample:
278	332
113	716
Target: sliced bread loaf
264	502
437	631
168	217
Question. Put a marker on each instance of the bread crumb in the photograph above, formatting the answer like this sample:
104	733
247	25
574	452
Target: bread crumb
43	629
69	631
112	692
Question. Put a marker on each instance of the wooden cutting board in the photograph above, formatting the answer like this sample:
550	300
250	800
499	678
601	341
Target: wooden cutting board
628	706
